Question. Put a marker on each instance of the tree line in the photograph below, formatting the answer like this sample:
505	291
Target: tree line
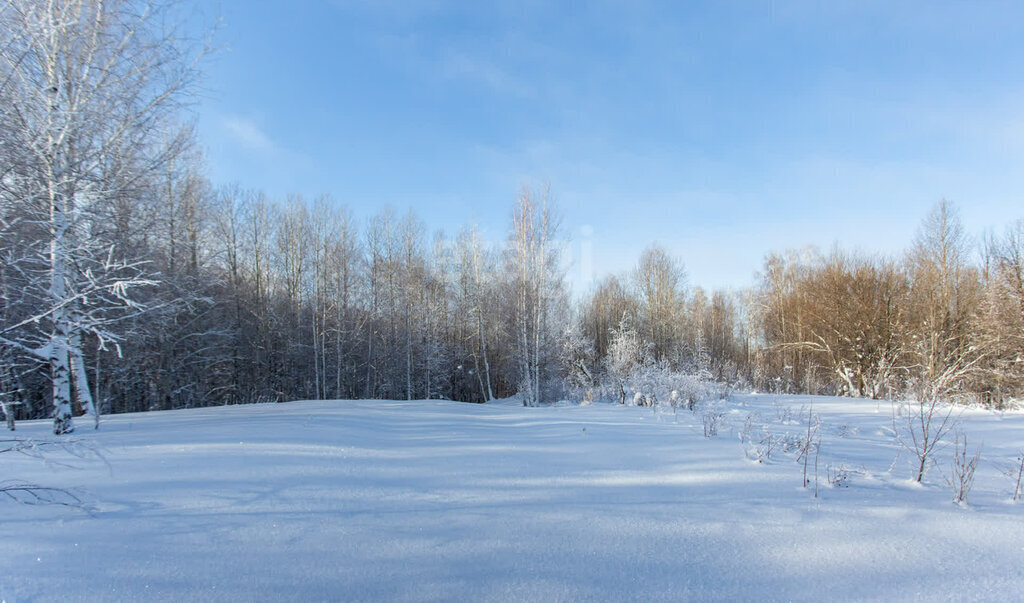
944	319
129	282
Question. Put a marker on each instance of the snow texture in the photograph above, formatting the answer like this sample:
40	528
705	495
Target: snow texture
428	500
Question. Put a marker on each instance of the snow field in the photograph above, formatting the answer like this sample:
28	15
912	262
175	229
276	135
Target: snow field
427	500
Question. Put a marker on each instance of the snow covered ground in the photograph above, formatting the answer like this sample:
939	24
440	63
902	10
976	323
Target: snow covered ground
431	500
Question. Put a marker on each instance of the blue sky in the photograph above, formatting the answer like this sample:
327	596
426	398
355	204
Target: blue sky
721	130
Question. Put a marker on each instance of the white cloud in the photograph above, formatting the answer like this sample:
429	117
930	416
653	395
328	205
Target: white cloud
248	134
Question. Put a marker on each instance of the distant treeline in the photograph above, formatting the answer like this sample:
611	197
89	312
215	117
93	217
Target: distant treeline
128	282
943	319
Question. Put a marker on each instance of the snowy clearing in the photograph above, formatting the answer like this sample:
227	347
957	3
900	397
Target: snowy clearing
428	500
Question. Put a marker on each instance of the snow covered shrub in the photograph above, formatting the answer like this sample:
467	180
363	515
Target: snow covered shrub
920	427
748	431
766	446
791	443
961	477
750	423
841	476
759	443
1020	473
683	388
578	359
810	443
1012	404
630	373
712	418
625	354
783	413
1015	471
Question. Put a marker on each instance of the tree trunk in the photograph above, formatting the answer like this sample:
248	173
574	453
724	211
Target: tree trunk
81	378
489	392
60	370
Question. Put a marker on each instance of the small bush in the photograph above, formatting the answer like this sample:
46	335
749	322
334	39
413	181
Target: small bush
1020	474
712	418
841	476
961	477
766	446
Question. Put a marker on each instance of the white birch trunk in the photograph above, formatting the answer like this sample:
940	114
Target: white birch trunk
487	392
340	343
316	345
408	350
81	377
487	369
60	369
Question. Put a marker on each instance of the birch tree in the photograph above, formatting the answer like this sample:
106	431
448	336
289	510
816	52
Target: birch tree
475	268
87	87
537	286
344	259
413	278
944	303
1002	326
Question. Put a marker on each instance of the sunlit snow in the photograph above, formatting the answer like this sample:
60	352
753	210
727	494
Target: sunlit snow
429	500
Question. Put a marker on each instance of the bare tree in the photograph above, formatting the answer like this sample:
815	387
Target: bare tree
345	256
943	305
779	308
87	87
412	275
533	263
1001	329
659	279
603	312
625	355
476	267
1018	474
851	313
920	428
961	475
